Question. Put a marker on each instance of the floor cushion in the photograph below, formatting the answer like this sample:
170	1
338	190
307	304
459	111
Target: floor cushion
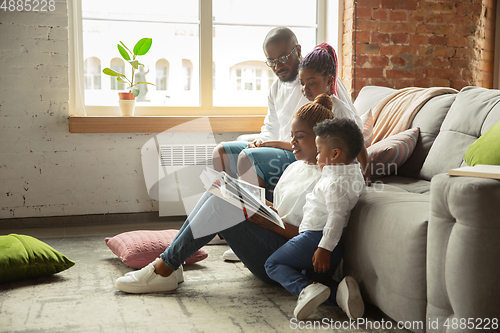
23	257
138	248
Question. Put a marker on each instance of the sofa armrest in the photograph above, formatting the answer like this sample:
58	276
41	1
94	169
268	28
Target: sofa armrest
463	250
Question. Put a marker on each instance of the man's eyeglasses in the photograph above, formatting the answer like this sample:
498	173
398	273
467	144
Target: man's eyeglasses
283	59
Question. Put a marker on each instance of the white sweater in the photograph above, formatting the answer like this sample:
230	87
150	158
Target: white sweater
285	98
290	193
342	110
329	205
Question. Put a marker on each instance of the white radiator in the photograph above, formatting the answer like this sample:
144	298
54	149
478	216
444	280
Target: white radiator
182	165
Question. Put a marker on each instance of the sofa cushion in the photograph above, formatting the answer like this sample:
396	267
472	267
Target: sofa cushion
429	120
486	149
367	121
369	97
385	251
387	155
408	184
463	124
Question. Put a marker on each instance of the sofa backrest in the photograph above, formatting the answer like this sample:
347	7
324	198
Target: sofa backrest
428	119
472	113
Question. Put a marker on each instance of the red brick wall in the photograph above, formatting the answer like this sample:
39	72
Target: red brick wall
405	43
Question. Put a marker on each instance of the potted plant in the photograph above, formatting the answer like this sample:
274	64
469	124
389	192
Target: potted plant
127	99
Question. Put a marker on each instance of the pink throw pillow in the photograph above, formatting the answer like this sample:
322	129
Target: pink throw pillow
385	156
138	248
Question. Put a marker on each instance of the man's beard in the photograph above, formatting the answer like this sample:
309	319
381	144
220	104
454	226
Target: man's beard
293	74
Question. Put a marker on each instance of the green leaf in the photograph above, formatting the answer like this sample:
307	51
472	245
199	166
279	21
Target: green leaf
121	80
135	91
109	71
142	47
124	53
126	48
146	83
134	63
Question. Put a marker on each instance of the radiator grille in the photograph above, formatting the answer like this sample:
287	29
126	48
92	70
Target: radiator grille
186	155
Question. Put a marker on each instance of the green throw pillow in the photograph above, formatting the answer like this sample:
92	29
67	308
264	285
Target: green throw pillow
24	257
486	149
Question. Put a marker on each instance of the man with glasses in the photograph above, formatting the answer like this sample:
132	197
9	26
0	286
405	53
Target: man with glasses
263	161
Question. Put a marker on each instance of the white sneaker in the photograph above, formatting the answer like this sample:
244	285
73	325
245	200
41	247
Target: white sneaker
230	255
146	280
349	298
179	272
217	240
309	299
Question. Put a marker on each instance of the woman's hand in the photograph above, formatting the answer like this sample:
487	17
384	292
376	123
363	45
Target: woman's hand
289	232
321	260
261	221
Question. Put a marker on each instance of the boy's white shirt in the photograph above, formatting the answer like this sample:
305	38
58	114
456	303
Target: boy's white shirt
295	183
285	98
329	205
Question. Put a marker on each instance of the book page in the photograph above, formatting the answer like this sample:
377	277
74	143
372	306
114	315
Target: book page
480	170
239	194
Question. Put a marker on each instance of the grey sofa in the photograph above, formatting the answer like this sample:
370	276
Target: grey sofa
425	246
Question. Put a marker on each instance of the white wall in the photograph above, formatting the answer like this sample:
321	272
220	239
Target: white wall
44	169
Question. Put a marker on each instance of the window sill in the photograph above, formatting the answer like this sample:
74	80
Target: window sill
158	124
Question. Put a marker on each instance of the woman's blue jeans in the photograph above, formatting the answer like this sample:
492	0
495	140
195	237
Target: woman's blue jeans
291	265
250	242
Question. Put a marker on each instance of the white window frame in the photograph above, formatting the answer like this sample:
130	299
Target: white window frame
329	29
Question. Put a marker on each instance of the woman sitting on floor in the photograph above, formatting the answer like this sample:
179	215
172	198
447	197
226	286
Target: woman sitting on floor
254	239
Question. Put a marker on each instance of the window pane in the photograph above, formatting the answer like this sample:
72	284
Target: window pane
173	26
273	13
242	77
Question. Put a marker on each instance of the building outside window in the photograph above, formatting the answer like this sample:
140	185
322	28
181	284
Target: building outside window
92	73
117	65
187	72
162	74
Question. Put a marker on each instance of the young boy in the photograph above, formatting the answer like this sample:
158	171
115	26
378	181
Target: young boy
313	255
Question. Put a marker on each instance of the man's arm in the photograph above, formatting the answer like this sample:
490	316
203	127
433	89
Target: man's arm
270	130
277	144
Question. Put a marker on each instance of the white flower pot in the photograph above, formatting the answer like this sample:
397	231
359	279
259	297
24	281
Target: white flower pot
127	107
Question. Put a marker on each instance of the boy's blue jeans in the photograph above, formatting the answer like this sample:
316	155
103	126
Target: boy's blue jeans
291	265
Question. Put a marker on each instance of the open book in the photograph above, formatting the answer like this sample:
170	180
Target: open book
240	194
480	170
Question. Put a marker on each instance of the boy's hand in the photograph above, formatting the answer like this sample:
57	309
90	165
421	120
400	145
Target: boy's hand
321	260
368	179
